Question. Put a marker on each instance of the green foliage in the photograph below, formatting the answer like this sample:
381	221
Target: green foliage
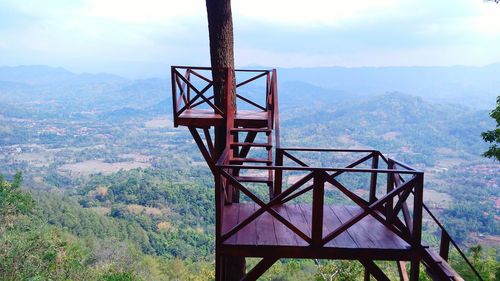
485	262
13	202
493	136
141	198
30	249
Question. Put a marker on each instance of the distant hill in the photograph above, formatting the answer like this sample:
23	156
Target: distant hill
396	123
42	75
475	87
472	86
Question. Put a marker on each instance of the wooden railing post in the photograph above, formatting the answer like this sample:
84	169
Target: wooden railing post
373	178
317	208
444	246
174	95
390	186
188	89
417	226
278	173
219	204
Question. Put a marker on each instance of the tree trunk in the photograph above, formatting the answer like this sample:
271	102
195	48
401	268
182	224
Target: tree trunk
220	30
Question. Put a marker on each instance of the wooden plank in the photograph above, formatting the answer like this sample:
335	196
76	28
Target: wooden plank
248	234
439	267
254	144
231	213
297	219
360	238
264	227
243	118
306	211
256	130
284	235
251	115
250	160
253	179
375	231
331	223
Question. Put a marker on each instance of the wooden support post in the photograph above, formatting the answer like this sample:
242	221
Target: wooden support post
219	204
204	151
317	208
417	227
219	266
278	173
373	178
403	275
367	275
444	246
390	186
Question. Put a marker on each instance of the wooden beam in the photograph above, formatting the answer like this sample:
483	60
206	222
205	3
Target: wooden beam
317	208
203	149
444	246
417	227
403	275
374	270
259	269
373	179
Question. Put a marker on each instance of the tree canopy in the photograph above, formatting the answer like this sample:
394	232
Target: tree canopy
493	136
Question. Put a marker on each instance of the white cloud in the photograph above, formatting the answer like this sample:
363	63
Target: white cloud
163	32
310	12
144	11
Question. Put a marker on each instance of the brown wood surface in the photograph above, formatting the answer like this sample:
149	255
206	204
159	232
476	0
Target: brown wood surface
367	232
266	230
206	117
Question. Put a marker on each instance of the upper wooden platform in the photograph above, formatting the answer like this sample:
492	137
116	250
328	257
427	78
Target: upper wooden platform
207	117
265	235
193	98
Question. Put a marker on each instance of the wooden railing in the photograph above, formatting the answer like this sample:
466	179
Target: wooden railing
385	209
186	94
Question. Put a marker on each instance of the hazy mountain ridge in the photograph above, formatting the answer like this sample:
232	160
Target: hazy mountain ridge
42	75
394	123
475	87
472	86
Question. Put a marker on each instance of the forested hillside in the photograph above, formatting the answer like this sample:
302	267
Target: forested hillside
111	191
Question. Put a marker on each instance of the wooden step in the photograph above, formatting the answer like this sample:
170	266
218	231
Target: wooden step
253	179
439	267
253	144
255	130
251	160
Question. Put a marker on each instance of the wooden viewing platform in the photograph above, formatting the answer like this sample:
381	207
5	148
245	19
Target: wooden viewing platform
267	234
292	220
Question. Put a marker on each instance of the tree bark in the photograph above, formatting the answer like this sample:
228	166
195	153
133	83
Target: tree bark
220	30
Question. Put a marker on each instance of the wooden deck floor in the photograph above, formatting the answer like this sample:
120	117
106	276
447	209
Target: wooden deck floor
207	117
266	235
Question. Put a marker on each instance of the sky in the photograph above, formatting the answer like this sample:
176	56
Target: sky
143	38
